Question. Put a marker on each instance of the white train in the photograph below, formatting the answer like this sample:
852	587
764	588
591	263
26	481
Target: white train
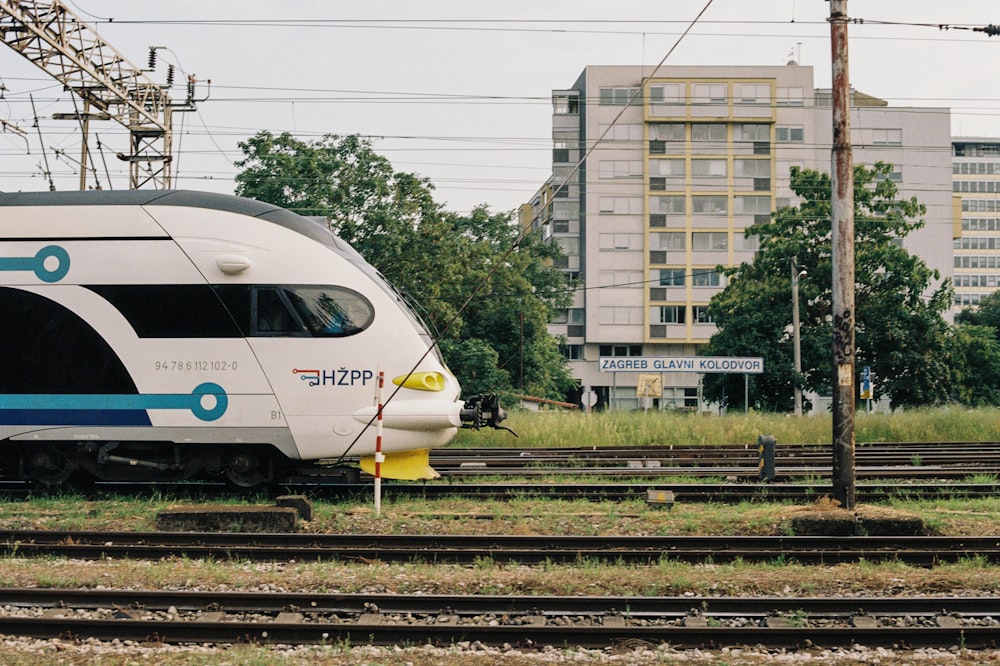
165	334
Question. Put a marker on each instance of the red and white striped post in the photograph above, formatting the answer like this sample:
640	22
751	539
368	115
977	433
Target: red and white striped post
379	458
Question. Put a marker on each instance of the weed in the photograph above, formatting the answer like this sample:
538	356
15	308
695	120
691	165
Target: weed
798	618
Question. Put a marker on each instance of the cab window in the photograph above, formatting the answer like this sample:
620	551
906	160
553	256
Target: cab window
317	311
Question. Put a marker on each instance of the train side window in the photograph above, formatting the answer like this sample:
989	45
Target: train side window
273	314
47	348
331	312
170	310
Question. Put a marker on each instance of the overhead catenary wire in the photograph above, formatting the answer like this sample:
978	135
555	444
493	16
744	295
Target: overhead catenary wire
501	260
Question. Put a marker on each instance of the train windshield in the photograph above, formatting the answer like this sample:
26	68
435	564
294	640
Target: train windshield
321	312
317	229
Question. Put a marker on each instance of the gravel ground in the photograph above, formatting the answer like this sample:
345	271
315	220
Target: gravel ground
19	651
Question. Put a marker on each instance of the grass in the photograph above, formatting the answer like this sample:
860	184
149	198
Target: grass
565	429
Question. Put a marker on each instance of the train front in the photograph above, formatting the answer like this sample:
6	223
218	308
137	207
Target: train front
421	407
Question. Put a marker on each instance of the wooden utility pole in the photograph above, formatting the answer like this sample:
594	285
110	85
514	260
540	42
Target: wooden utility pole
842	219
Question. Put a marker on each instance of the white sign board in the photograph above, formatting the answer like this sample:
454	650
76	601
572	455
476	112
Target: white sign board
699	364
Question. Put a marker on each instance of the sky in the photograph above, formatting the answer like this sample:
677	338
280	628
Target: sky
459	91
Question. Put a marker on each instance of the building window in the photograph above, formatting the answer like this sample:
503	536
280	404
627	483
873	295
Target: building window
560	151
753	168
749	243
620	96
666	93
980	205
620	350
565	105
666	132
702	204
887	137
667	168
789	134
672	277
621	205
620	315
623	132
752	132
752	205
564	210
708	93
569	245
667	204
700	314
708	132
613	242
708	168
705	278
671	314
790	96
621	278
753	93
709	240
667	240
620	168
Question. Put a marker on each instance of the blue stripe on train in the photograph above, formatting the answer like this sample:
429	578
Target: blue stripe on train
66	417
81	405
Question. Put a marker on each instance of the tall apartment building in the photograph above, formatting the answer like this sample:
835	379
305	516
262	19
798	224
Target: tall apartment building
976	184
656	176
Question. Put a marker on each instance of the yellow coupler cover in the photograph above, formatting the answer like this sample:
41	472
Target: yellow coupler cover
404	465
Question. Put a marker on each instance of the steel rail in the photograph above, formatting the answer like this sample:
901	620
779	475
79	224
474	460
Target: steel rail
732	492
683	622
473	604
916	550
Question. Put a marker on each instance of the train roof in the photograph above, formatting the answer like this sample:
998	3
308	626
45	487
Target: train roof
188	198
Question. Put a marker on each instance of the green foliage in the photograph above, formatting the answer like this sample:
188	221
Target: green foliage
974	354
987	314
486	291
900	332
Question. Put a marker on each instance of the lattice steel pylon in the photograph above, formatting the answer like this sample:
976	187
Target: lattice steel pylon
68	49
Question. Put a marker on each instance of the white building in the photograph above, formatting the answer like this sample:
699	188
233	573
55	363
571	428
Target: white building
976	181
655	177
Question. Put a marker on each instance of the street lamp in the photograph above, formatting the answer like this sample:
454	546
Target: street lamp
796	344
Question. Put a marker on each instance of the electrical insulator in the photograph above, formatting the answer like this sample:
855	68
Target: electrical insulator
170	76
151	66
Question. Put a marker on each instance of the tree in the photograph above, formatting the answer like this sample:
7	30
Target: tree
485	290
974	359
900	331
987	313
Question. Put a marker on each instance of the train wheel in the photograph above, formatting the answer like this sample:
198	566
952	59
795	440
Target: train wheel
50	465
249	468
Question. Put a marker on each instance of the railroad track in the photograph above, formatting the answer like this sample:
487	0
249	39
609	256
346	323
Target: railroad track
792	461
731	493
526	621
884	471
707	491
918	551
